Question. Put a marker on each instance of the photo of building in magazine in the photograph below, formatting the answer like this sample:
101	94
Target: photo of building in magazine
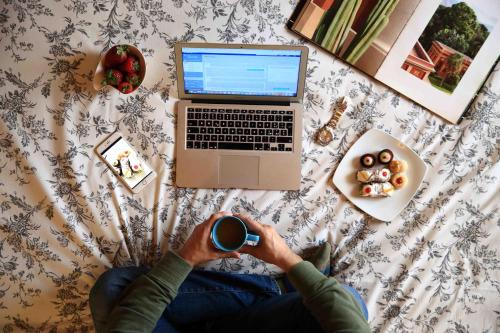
436	52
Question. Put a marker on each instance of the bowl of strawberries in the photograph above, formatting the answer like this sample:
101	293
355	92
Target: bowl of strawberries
122	67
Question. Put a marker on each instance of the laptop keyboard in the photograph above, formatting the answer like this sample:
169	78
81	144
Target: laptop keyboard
239	129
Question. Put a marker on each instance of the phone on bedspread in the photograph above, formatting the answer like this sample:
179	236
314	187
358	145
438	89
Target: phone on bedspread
125	162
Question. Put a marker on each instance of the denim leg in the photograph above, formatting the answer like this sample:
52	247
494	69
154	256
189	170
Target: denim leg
107	291
285	314
206	296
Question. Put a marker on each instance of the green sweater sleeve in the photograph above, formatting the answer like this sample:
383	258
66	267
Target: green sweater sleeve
146	298
335	309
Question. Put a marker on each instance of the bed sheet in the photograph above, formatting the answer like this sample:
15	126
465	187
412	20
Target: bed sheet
65	218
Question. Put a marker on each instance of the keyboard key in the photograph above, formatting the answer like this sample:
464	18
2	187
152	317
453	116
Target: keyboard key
208	123
281	112
193	130
267	124
227	117
289	112
270	118
203	130
216	123
235	145
218	130
267	112
230	124
189	144
258	111
269	132
243	111
284	132
266	146
249	117
199	137
206	137
260	125
192	123
274	112
263	118
262	132
243	138
197	116
246	131
251	111
288	149
256	117
282	125
282	139
190	109
241	117
223	123
191	137
274	148
229	138
206	110
253	124
237	124
213	110
278	118
272	139
212	145
201	123
236	138
204	145
190	115
225	130
222	110
265	139
213	137
234	117
229	111
257	139
239	131
287	118
220	116
281	147
276	132
244	124
213	116
196	145
254	131
210	130
258	146
204	115
220	137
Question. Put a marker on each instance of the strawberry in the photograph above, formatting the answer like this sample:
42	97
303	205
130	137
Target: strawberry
131	65
134	79
115	56
113	77
126	87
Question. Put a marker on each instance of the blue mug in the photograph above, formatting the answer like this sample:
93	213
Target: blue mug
230	233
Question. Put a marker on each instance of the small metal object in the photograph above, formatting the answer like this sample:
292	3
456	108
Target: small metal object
325	134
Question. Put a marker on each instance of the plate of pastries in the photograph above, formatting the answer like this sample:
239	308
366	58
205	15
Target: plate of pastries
380	174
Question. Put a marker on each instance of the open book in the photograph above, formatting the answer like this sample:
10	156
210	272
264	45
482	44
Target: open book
436	52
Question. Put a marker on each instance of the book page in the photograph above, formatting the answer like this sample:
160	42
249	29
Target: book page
444	54
361	32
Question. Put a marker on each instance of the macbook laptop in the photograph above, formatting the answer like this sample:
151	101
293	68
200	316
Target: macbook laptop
239	115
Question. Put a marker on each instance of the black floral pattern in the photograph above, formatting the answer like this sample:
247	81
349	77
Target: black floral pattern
64	218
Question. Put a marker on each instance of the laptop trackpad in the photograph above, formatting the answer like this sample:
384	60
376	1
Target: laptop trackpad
239	171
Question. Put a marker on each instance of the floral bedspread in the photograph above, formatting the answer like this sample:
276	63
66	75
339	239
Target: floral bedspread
64	218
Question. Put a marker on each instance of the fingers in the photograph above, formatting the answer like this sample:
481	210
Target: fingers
214	217
248	250
234	255
252	225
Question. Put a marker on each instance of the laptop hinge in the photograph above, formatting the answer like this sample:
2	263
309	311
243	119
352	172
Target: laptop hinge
213	101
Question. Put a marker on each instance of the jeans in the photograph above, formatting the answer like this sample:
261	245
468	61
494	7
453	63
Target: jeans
214	302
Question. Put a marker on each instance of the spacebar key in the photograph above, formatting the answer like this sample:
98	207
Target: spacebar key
235	145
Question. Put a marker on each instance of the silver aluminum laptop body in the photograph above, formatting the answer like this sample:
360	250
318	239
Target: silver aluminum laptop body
230	168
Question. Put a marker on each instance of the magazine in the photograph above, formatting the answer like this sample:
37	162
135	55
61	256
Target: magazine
436	52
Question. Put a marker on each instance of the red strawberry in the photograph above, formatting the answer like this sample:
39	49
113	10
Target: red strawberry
126	87
115	56
131	65
135	79
113	77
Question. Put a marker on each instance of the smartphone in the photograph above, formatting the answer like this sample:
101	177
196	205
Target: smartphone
124	161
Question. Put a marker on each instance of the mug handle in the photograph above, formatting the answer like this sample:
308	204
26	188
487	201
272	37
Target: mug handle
253	238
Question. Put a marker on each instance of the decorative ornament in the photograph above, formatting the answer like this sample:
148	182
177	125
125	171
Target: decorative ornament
325	134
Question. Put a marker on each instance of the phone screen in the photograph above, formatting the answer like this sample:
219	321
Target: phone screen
126	162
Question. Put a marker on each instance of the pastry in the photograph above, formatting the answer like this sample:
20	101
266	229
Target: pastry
385	156
374	175
399	180
398	166
377	190
368	160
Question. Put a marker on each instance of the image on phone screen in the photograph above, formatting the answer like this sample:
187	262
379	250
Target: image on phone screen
126	162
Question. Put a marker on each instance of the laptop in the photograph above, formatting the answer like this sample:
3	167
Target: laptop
239	115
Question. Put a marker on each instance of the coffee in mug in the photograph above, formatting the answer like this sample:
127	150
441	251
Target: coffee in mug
230	233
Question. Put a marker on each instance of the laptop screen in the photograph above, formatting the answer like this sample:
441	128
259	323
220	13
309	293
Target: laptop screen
251	72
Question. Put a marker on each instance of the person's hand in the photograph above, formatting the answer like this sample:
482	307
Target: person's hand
199	249
271	248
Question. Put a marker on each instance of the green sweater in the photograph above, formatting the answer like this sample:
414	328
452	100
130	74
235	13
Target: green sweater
146	298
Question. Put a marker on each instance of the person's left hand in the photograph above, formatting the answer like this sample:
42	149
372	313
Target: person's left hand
199	249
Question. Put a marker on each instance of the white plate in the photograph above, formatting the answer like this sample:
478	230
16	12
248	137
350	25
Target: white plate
373	141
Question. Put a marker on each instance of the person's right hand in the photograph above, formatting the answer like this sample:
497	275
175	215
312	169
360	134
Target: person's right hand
271	248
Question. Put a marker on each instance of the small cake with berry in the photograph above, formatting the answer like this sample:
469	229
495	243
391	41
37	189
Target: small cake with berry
398	166
377	190
399	180
374	175
368	160
385	156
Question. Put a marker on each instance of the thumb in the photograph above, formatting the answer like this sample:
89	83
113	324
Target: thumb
234	255
248	250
